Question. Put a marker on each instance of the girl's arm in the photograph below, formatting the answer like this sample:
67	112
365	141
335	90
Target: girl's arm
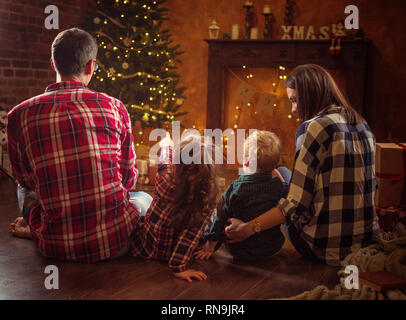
188	240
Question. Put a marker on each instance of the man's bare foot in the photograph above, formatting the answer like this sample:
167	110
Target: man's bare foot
20	228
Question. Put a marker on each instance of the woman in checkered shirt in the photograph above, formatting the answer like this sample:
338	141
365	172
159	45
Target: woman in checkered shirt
329	209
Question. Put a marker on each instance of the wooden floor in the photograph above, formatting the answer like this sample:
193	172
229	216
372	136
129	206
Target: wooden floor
22	273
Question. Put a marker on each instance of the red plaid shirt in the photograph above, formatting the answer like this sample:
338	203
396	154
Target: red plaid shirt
74	148
154	237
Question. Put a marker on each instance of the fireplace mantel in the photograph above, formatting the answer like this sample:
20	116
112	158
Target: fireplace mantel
289	53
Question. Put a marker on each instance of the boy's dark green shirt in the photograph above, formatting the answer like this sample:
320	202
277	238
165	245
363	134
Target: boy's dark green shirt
247	198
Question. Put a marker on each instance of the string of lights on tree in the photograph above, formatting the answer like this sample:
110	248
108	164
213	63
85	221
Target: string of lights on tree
137	60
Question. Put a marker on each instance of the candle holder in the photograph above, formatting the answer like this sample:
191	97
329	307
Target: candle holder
247	6
268	26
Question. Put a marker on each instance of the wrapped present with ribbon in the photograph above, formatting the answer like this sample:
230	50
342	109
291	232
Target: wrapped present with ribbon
390	217
391	172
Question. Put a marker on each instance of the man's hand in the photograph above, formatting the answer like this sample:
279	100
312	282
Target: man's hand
166	142
206	251
238	230
190	274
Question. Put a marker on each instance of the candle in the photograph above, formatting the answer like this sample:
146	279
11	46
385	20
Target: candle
234	32
248	4
142	167
254	33
267	9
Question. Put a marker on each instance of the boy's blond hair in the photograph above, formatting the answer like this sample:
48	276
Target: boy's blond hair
268	149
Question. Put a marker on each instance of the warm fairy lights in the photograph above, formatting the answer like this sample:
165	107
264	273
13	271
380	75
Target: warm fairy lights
248	75
140	53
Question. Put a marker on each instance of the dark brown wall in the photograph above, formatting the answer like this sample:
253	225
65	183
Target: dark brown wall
25	48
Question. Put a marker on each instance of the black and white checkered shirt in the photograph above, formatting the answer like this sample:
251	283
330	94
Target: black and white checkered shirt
331	195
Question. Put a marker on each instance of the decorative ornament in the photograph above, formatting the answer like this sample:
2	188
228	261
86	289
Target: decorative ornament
96	20
288	12
112	70
248	18
108	54
134	28
125	65
267	28
155	22
337	33
179	101
214	30
137	124
145	117
127	42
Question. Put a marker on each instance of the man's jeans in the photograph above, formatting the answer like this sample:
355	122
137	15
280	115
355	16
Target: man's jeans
26	199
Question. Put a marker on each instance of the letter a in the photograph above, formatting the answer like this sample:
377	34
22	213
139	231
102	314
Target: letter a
51	281
352	21
52	21
352	280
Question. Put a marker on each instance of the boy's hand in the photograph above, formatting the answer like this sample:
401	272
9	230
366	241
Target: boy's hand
190	274
166	142
206	251
276	174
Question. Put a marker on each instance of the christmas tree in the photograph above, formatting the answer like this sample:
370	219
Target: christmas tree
137	59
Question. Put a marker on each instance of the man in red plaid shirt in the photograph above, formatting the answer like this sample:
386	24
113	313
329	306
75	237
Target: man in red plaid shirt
72	153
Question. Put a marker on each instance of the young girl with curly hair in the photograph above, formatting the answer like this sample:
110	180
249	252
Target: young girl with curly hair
182	206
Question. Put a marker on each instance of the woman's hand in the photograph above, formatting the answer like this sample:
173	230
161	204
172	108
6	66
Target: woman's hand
238	230
206	251
190	274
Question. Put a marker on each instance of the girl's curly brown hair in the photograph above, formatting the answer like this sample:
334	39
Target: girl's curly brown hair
196	187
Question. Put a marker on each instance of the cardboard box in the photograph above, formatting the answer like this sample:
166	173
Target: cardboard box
391	170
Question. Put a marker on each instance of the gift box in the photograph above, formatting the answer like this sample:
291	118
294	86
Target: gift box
390	217
391	169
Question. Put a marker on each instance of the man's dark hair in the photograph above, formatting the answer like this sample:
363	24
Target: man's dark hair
72	49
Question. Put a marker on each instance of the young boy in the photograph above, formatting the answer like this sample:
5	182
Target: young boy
252	194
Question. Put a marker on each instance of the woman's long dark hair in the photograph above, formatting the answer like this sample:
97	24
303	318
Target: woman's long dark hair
316	90
196	189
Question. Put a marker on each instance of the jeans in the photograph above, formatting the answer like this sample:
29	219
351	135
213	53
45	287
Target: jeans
142	201
298	243
285	173
291	233
26	199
